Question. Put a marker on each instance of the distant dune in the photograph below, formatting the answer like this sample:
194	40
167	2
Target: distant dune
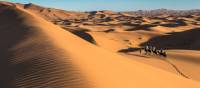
35	53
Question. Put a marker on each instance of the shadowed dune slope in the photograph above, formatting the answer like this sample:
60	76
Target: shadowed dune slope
188	40
84	35
28	57
37	54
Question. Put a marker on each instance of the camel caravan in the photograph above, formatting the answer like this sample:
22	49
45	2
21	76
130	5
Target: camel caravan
150	50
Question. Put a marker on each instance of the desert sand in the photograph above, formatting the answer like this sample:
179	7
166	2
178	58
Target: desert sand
39	52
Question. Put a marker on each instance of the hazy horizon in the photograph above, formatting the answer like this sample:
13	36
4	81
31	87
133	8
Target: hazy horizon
114	5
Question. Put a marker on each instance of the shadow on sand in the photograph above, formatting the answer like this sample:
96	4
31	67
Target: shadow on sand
175	23
84	35
189	40
128	50
146	27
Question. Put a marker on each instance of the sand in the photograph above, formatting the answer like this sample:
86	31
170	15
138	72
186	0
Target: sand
36	53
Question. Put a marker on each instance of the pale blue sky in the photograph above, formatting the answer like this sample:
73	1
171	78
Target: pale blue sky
116	5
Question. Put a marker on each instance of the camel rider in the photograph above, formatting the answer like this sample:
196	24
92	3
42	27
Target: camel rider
162	51
153	48
146	47
150	49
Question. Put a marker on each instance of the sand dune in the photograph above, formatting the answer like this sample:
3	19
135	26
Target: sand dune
115	41
38	54
29	57
178	40
181	62
186	61
52	14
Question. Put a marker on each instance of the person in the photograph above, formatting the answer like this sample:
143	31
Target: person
153	48
150	50
155	51
162	53
146	49
161	50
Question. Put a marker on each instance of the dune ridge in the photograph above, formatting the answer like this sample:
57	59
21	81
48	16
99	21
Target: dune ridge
128	32
29	59
37	54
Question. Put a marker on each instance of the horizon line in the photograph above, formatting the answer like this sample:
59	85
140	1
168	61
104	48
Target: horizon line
134	10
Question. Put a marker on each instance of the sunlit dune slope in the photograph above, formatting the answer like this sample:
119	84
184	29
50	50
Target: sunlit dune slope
116	41
29	57
184	63
187	61
37	54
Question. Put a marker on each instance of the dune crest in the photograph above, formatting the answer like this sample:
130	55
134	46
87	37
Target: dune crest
29	58
39	54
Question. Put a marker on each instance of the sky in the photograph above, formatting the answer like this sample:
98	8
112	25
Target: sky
115	5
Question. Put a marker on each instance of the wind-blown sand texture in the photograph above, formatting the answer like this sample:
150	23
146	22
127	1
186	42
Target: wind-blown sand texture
36	53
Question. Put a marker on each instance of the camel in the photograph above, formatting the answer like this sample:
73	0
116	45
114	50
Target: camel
149	50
